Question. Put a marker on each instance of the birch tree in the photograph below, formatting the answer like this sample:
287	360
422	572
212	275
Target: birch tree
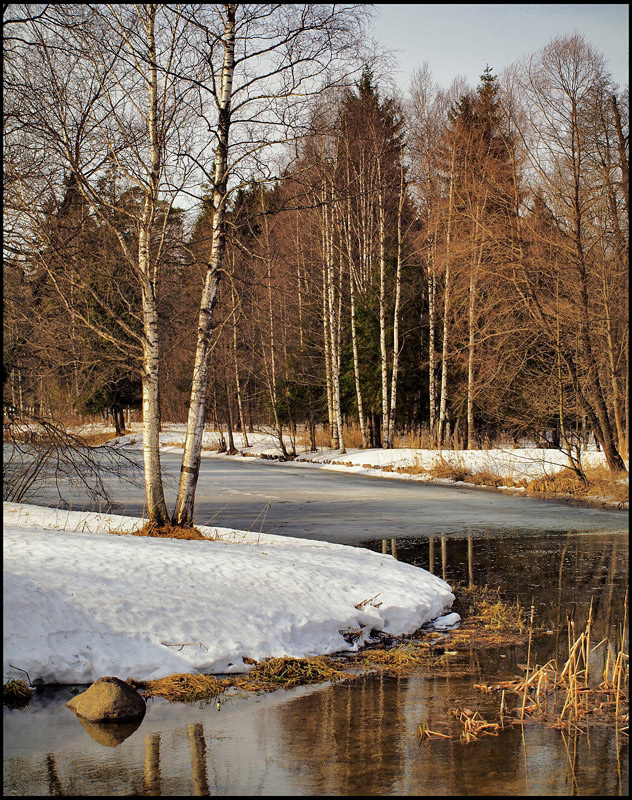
262	61
99	88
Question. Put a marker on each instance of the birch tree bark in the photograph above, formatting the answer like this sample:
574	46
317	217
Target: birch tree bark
155	498
386	443
354	336
240	407
446	308
183	513
396	312
432	321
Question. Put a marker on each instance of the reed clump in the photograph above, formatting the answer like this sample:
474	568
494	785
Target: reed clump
454	469
488	620
566	482
598	483
474	726
185	688
412	469
571	695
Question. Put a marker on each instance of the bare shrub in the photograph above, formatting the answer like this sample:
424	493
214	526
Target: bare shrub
38	452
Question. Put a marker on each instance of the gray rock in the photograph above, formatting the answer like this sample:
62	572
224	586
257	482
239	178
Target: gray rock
109	699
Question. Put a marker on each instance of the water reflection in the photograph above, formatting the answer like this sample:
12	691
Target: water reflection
55	787
152	765
348	739
198	759
562	573
109	734
393	547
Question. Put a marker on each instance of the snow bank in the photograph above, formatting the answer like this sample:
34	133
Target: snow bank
526	463
80	603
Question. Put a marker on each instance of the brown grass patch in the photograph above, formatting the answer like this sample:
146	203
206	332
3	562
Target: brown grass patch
600	482
412	469
487	619
397	658
167	531
486	477
566	482
16	693
95	439
185	688
353	436
453	470
287	672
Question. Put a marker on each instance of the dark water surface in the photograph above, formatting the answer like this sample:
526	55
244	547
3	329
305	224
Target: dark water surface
362	739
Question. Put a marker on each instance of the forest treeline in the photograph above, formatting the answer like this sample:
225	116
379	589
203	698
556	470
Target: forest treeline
214	226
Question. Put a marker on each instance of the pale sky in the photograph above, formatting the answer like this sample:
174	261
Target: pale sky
460	39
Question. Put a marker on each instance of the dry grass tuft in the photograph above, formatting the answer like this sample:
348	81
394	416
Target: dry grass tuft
412	469
16	693
395	659
353	436
454	469
566	482
600	482
185	688
486	477
487	619
287	672
167	531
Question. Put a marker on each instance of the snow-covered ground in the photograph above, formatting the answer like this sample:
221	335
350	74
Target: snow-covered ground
81	603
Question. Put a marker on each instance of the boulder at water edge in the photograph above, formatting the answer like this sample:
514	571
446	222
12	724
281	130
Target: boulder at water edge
108	700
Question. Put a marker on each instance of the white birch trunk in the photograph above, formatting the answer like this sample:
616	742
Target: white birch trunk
432	312
446	311
332	329
382	320
354	336
327	341
183	514
154	491
398	291
352	310
240	406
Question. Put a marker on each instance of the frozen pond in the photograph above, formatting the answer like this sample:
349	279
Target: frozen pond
299	500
